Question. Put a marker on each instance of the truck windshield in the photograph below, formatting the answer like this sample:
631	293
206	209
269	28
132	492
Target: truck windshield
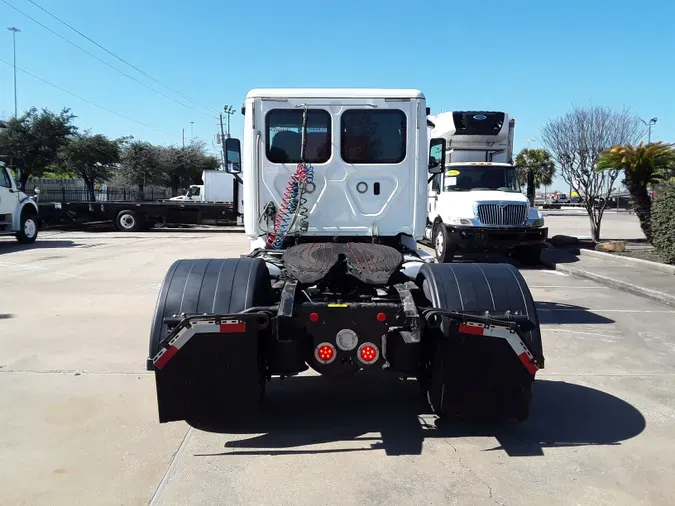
480	177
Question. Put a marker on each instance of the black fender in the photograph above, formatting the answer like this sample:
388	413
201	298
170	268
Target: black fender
475	288
209	286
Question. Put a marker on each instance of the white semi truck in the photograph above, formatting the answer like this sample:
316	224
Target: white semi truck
476	203
335	202
18	212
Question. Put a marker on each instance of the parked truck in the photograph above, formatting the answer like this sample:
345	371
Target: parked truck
210	203
334	207
218	187
476	204
18	212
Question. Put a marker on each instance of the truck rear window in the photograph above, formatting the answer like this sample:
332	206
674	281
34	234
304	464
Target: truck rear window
368	136
284	135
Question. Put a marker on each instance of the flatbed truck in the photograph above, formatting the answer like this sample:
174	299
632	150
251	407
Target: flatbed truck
135	216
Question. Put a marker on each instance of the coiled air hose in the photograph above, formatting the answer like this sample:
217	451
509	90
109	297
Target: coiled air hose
292	206
293	202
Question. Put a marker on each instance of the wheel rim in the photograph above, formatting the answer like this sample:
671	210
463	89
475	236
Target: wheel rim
439	244
29	228
127	221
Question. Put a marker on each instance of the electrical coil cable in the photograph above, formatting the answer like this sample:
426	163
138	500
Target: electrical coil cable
293	203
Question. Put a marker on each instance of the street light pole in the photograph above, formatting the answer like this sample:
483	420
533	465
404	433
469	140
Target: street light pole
192	131
649	128
229	110
14	30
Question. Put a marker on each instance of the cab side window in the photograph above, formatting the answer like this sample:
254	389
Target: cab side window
4	178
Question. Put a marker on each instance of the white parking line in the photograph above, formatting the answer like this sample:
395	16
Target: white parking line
570	287
666	311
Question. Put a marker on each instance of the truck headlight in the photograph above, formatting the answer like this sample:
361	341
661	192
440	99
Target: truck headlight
460	221
539	222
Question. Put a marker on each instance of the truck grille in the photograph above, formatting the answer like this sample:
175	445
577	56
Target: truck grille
495	214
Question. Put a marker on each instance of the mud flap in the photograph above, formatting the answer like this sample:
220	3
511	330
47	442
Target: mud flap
209	367
482	372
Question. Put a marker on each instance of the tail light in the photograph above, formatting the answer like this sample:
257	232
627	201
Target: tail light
325	353
368	353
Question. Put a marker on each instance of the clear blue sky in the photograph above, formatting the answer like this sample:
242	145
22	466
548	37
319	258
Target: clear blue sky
531	59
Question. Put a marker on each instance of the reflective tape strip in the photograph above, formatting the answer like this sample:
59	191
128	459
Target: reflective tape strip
511	337
225	327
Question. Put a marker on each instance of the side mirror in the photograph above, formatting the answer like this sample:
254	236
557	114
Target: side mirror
232	156
436	156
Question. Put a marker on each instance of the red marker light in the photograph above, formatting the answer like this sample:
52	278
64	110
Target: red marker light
314	317
325	353
368	353
381	317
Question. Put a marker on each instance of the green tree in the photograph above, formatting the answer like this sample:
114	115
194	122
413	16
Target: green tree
184	165
540	163
643	165
34	140
140	164
90	157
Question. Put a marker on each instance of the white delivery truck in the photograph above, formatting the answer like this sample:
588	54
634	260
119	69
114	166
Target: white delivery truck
476	203
218	187
18	213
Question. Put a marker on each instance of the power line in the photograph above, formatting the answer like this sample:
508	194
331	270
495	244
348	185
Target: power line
105	62
88	101
119	57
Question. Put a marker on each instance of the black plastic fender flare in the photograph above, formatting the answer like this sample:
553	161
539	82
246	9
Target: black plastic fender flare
478	287
208	286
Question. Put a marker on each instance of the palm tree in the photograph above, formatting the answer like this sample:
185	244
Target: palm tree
540	162
643	165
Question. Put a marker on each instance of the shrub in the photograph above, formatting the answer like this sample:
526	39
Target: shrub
663	221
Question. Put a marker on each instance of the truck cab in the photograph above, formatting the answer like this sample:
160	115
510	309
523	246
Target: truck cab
194	193
476	203
18	213
366	153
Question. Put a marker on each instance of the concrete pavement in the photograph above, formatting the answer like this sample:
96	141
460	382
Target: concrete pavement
79	418
656	283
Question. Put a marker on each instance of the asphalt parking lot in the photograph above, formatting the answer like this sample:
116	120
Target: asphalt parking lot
78	416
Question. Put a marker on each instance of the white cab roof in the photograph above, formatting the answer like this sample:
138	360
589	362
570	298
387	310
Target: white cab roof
334	93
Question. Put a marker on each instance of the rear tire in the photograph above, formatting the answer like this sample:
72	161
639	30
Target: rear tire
129	221
477	378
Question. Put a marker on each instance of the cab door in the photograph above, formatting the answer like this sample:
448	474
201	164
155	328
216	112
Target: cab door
8	196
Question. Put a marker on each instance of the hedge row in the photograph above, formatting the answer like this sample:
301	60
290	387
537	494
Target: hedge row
663	222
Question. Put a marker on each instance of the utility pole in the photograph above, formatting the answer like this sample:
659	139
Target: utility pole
222	140
14	30
235	179
183	137
192	131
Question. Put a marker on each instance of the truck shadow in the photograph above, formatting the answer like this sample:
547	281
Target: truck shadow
13	246
365	414
558	313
